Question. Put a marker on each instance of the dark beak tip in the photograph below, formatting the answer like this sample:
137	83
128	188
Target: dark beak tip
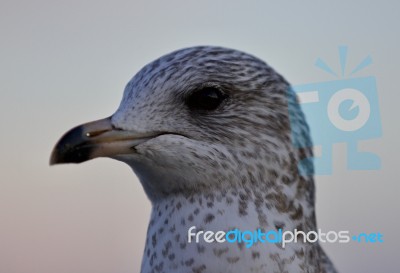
67	156
75	146
69	148
56	157
53	159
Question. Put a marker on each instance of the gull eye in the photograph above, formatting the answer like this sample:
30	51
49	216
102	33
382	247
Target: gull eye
207	98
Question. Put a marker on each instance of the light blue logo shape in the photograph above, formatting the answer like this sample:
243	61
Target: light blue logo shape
343	110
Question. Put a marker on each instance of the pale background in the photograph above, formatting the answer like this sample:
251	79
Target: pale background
66	62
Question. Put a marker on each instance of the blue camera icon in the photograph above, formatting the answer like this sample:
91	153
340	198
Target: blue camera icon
342	111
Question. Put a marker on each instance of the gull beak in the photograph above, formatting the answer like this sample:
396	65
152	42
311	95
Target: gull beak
95	139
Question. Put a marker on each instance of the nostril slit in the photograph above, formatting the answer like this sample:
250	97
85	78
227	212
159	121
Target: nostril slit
95	133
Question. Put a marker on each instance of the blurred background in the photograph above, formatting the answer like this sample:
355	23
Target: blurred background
63	63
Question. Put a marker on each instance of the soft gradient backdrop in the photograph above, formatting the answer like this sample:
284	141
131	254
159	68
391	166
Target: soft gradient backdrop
66	62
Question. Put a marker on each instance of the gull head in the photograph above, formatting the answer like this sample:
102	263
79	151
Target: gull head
197	119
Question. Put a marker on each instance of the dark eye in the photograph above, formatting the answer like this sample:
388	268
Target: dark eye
207	98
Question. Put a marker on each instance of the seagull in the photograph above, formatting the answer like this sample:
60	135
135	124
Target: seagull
213	134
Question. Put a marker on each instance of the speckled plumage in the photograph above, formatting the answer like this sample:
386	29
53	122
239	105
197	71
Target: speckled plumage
235	167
